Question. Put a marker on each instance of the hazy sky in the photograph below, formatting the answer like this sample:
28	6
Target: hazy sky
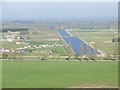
60	0
52	10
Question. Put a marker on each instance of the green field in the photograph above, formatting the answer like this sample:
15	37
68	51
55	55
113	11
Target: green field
42	34
62	74
10	45
45	42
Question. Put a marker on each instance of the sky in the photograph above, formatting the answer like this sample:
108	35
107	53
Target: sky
58	10
60	0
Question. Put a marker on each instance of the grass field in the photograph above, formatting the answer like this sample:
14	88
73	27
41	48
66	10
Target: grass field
10	45
62	74
45	42
56	51
42	34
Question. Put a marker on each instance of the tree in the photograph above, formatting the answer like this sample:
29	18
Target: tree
44	54
19	55
69	51
4	56
118	50
116	53
88	52
81	51
95	52
13	54
37	52
113	40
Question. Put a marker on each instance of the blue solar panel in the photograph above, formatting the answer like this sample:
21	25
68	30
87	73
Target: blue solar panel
75	43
